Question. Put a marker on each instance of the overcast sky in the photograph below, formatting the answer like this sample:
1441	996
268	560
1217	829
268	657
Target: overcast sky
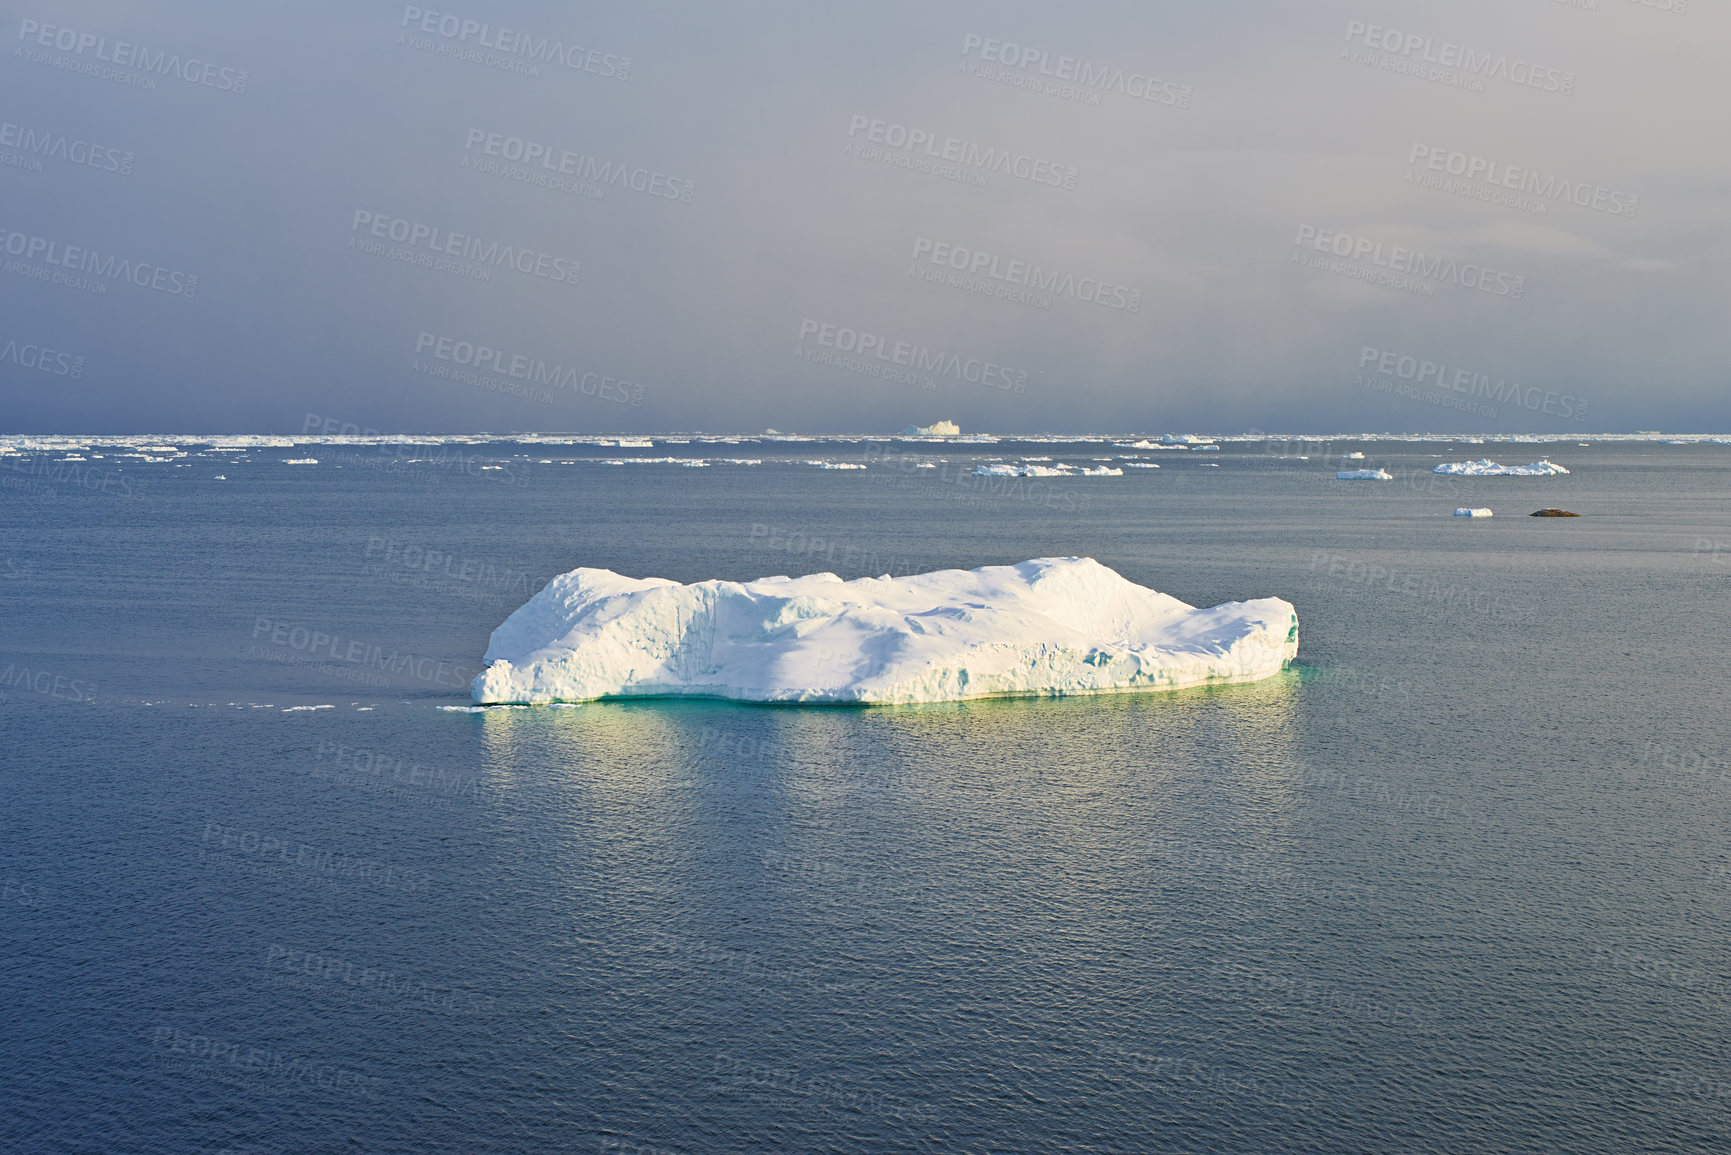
1490	215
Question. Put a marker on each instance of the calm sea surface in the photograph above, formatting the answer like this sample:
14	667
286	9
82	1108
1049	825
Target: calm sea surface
1460	881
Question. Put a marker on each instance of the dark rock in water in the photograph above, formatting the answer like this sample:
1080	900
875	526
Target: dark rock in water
1554	513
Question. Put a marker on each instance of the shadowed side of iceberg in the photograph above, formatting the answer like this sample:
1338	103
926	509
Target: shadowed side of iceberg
1042	628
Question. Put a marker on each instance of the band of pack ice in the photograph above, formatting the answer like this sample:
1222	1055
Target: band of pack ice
1046	627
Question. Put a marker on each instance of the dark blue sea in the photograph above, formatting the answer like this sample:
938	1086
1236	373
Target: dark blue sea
1459	881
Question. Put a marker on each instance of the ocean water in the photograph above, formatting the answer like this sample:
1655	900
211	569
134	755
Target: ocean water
1459	881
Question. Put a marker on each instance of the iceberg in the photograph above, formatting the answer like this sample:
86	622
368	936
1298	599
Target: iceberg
935	429
1048	627
1488	468
1021	471
1364	475
1466	512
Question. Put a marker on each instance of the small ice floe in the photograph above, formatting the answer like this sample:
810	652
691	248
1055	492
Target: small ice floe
1466	512
300	461
1364	475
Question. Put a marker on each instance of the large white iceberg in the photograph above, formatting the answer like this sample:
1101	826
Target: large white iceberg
1047	627
1485	467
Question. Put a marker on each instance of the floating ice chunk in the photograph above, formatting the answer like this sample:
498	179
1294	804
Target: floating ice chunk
1047	627
1465	512
1209	448
935	429
300	461
1364	475
1022	471
1141	465
1102	471
1488	468
1352	457
836	464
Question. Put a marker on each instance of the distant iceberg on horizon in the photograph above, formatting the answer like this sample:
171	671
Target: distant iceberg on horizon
935	429
1042	628
1485	467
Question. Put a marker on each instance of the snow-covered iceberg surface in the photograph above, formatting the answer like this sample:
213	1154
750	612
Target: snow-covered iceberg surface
1485	467
1364	475
1046	627
1466	511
